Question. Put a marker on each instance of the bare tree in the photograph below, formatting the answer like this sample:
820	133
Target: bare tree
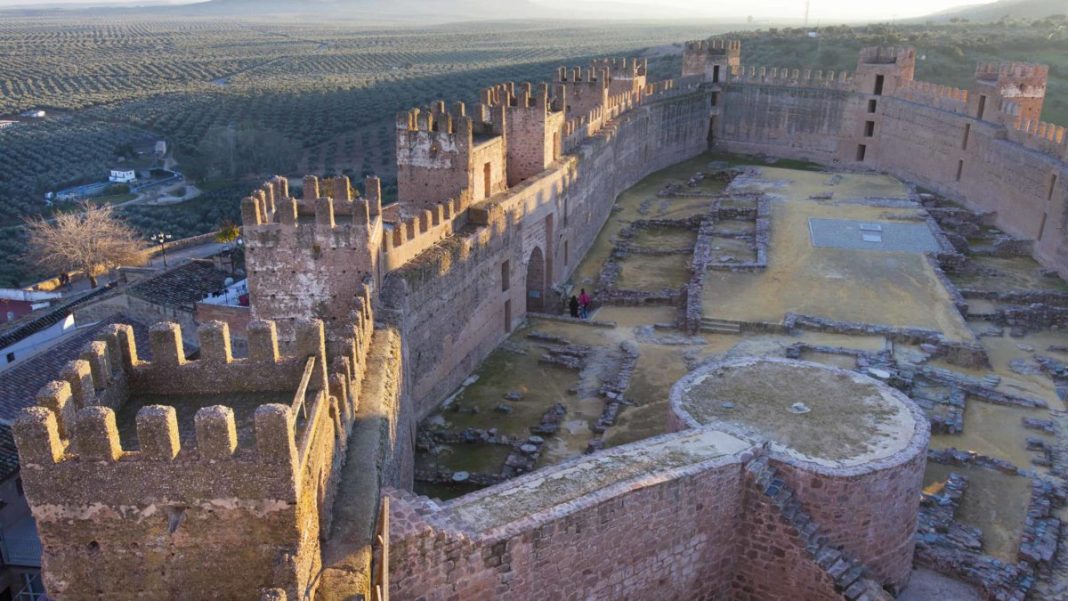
91	241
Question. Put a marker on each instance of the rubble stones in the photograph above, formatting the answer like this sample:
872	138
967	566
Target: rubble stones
550	422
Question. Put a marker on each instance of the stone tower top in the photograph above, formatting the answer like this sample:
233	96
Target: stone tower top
711	60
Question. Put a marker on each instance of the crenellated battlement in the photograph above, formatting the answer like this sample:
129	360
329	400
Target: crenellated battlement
330	202
1044	137
888	55
109	375
411	236
96	439
600	76
1003	71
192	454
713	46
623	68
791	77
524	96
945	98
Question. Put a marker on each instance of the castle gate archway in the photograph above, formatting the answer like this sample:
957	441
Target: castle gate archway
536	281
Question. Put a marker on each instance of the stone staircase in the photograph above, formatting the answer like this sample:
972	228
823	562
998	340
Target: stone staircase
720	326
848	573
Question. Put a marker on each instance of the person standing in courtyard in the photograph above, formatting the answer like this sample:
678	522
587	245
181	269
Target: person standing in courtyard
584	304
573	305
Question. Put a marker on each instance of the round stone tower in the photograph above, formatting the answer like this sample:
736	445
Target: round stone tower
852	449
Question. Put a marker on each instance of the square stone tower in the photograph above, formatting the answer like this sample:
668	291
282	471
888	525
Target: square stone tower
711	60
533	127
312	257
996	84
443	155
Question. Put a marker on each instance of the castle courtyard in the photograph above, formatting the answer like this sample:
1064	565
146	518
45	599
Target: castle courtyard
540	399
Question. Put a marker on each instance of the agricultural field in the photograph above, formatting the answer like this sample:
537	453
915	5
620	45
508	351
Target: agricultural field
238	100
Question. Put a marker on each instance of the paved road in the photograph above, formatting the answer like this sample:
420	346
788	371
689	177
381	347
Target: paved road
174	258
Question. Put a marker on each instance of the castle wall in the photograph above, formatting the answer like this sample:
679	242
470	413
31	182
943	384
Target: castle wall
587	547
782	120
926	145
450	302
773	565
1011	164
880	534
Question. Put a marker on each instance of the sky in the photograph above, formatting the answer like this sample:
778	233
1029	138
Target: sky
821	10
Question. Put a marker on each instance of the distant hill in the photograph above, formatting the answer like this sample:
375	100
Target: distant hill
1018	9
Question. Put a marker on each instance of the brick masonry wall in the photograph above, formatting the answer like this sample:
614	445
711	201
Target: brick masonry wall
684	549
787	121
772	565
871	515
926	145
919	143
450	302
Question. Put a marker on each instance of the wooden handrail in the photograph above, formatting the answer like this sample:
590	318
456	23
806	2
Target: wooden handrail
311	428
302	390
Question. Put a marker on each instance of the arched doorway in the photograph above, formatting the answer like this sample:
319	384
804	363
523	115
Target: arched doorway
536	281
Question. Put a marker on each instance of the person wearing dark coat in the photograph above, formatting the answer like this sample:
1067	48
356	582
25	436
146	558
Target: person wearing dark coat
574	307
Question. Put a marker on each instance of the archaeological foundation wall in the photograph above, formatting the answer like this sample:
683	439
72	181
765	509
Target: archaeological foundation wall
452	303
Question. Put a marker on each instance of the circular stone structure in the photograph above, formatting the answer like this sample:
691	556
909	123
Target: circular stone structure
854	457
819	414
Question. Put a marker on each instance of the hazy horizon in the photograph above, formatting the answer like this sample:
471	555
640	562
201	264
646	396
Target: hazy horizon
727	10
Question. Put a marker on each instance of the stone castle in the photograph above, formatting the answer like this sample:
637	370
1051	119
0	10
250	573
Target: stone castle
283	474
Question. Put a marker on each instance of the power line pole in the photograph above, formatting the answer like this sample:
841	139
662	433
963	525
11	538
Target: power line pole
808	7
